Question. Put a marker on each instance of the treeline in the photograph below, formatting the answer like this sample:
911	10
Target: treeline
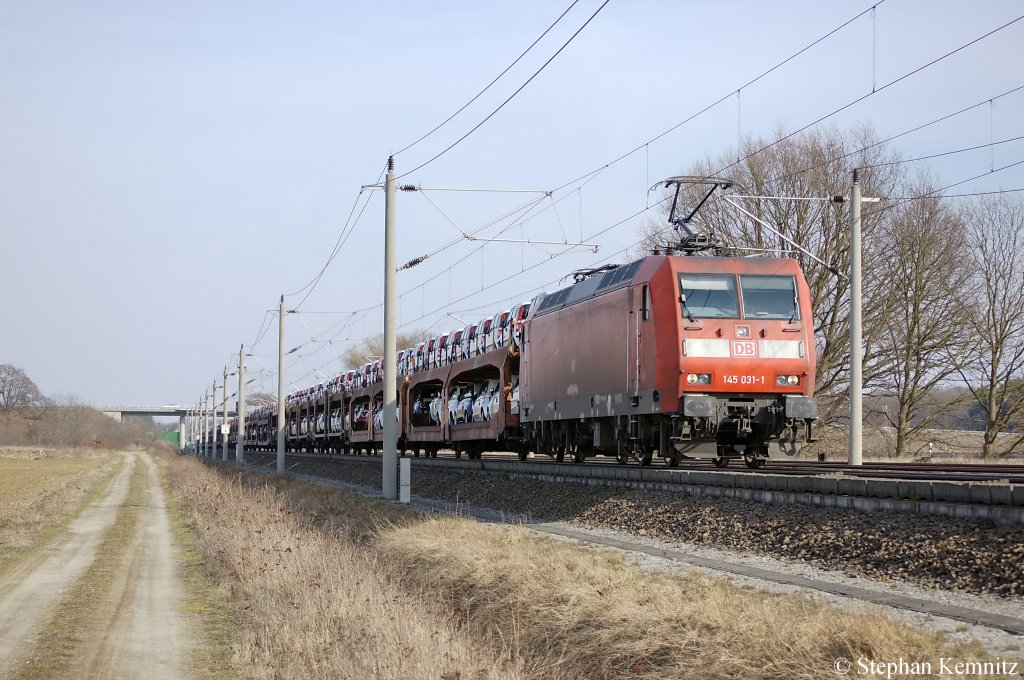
27	418
943	292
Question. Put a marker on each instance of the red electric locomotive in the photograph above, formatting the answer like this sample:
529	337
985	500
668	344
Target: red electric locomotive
703	357
686	356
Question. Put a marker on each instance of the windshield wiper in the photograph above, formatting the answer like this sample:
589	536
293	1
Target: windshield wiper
686	310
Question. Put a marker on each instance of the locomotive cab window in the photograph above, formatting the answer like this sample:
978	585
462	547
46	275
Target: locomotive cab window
769	297
708	296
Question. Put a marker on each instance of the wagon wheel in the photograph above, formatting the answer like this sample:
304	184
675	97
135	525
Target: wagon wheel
572	449
621	455
643	454
523	453
458	453
672	461
560	454
754	462
721	462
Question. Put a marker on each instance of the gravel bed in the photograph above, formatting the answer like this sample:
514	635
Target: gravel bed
930	551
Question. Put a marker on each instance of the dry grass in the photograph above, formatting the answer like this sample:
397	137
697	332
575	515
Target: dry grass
309	602
326	584
562	606
41	490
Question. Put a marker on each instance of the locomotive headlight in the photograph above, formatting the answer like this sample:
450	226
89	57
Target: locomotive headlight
790	380
698	378
793	380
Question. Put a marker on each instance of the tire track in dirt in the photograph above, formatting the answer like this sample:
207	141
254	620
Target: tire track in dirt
31	589
143	633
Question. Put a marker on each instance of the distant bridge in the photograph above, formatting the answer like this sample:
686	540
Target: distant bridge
117	412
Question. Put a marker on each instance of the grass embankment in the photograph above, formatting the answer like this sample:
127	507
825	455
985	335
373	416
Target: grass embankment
79	613
326	584
308	598
42	490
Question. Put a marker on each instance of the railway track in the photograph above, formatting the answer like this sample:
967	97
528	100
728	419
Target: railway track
949	472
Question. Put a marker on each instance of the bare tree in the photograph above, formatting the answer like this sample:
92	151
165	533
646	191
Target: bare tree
67	423
373	348
992	313
919	268
813	164
19	396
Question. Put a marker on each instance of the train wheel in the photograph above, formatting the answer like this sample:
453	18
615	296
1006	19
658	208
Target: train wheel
572	449
621	455
416	452
560	455
433	453
721	462
754	463
672	461
523	453
458	453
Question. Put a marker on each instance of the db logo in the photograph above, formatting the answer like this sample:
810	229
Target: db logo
744	348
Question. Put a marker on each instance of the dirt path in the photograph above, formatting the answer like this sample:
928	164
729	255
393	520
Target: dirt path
141	631
146	635
29	591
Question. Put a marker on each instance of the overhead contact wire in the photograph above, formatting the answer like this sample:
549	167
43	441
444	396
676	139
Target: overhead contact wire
496	79
511	97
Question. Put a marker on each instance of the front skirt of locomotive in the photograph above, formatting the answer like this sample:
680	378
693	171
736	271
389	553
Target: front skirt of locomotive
744	425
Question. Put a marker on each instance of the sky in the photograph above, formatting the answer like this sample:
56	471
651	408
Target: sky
169	170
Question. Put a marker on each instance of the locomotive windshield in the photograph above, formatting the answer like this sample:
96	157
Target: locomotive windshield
769	297
708	296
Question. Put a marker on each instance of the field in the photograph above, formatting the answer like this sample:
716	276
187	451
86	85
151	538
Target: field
41	490
880	443
321	583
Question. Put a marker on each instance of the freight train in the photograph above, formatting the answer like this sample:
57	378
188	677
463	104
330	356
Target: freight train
670	357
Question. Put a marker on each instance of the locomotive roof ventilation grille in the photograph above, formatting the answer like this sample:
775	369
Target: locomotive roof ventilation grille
619	276
616	278
555	299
